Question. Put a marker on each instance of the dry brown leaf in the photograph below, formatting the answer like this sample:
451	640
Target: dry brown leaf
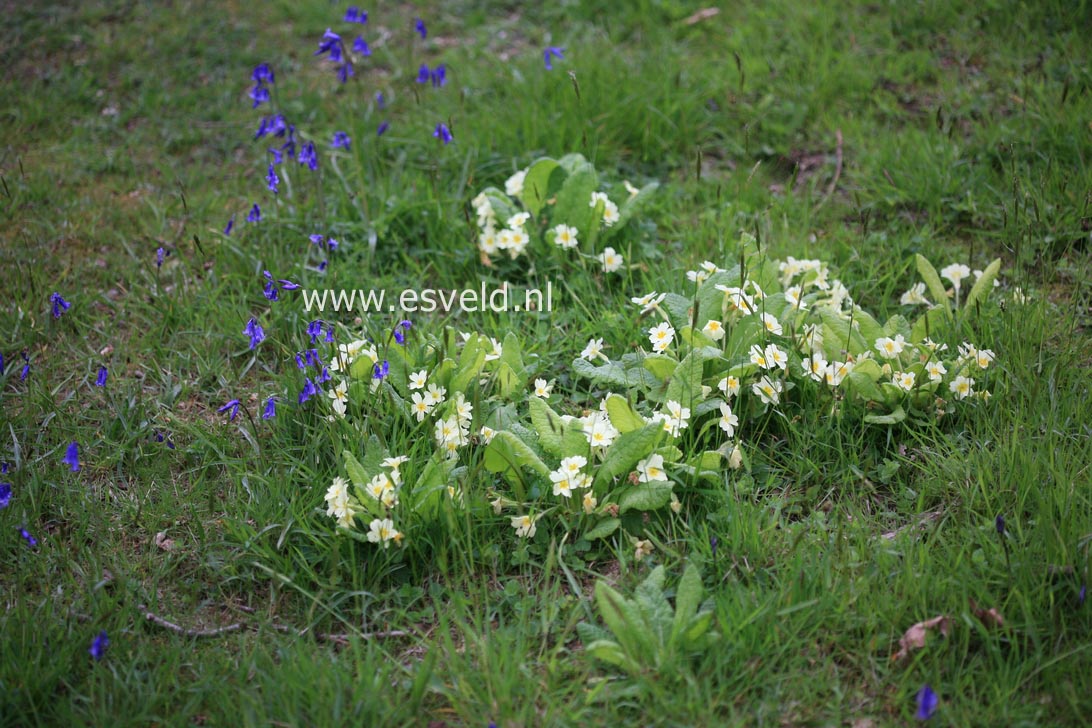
702	15
164	543
914	638
990	618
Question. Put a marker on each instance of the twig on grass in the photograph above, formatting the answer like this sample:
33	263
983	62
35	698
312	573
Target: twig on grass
339	639
837	170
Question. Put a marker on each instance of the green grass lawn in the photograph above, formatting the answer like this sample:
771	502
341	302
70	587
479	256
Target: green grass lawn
866	135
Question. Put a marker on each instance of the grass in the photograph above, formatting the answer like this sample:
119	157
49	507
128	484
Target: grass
965	137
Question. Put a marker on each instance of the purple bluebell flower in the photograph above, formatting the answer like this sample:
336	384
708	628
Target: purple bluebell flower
276	125
230	226
262	73
255	214
160	255
1082	594
100	380
3	466
322	266
233	405
379	371
31	541
380	101
443	134
277	156
332	244
329	334
269	290
419	26
272	181
270	410
360	46
160	437
309	390
300	363
2	374
439	75
72	457
344	72
355	15
423	74
260	95
550	53
324	376
314	329
341	140
382	128
254	330
927	703
5	495
330	43
407	325
99	645
26	367
59	304
317	239
312	357
399	336
308	156
288	285
713	545
999	524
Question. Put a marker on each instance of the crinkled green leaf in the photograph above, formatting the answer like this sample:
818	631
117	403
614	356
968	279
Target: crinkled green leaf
627	450
548	425
983	285
507	452
602	529
688	597
622	415
542	181
897	415
932	281
649	496
573	201
659	365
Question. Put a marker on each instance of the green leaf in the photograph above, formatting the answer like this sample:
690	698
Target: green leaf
897	324
932	281
506	452
896	416
983	285
611	653
863	385
512	354
356	472
623	620
685	384
659	365
507	380
548	425
929	324
627	450
632	205
471	361
622	415
543	180
602	529
687	599
612	374
572	162
645	496
573	201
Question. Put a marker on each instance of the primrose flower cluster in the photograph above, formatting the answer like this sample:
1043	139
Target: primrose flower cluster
555	205
764	328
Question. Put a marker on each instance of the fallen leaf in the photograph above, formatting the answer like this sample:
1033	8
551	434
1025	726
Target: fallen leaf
164	543
990	618
914	638
702	15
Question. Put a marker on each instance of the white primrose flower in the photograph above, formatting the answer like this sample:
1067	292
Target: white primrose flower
890	348
729	385
661	336
565	237
611	259
915	296
962	387
651	469
767	390
383	531
713	329
525	526
728	420
542	388
593	350
417	380
513	186
903	380
956	273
